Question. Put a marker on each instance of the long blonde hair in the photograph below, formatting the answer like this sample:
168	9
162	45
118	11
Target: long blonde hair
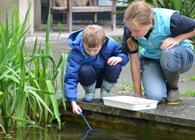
132	44
93	36
138	12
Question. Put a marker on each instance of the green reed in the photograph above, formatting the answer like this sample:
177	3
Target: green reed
28	80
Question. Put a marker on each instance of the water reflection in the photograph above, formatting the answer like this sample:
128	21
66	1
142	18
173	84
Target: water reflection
99	134
69	131
75	131
95	133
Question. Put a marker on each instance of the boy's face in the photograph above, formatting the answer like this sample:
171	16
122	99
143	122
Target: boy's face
92	51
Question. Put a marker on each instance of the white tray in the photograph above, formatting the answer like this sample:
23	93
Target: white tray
130	103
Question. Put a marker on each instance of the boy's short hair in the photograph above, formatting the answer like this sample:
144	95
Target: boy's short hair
93	36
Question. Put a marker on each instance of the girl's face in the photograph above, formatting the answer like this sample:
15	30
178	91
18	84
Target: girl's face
92	51
139	30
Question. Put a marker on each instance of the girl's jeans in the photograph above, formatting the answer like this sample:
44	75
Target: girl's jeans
153	80
88	76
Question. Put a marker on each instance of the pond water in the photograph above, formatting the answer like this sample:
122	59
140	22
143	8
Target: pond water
70	131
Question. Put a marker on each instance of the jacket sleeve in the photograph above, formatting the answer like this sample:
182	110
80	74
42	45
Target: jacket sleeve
126	36
181	24
117	51
71	76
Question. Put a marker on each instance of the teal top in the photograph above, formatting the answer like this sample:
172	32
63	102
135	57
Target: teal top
161	31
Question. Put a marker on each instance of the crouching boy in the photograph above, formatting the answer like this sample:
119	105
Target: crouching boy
95	61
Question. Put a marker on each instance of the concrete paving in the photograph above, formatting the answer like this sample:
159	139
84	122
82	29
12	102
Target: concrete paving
182	115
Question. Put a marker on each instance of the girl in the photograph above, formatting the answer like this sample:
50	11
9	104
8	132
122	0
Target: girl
165	54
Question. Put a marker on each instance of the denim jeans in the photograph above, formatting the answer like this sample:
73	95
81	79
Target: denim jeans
88	76
153	80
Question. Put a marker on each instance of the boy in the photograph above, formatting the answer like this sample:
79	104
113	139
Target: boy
95	61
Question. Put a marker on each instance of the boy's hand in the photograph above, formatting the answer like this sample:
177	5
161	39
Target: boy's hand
75	108
114	60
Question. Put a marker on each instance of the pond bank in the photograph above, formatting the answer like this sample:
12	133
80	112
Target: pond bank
171	122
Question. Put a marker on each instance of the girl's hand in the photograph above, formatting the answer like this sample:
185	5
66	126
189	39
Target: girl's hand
169	43
114	60
139	95
75	108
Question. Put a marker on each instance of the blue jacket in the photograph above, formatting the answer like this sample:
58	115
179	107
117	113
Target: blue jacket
161	30
78	57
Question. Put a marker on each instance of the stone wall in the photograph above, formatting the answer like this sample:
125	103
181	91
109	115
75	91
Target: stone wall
22	7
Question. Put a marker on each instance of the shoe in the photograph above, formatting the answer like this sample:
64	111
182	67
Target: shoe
89	92
87	99
105	89
173	97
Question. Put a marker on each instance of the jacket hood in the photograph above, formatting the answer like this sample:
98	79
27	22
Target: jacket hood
75	39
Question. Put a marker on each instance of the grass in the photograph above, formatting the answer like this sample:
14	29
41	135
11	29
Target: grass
192	78
125	87
189	93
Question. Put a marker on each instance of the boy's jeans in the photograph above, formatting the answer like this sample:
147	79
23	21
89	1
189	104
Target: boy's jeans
172	60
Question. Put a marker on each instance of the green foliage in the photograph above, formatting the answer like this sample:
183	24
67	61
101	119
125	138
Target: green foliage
118	39
125	87
186	7
28	82
192	78
189	93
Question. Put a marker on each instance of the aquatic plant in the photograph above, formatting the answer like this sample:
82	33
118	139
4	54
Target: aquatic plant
28	80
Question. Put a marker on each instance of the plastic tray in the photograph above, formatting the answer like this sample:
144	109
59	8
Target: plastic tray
130	103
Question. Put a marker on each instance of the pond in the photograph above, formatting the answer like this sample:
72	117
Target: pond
71	131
